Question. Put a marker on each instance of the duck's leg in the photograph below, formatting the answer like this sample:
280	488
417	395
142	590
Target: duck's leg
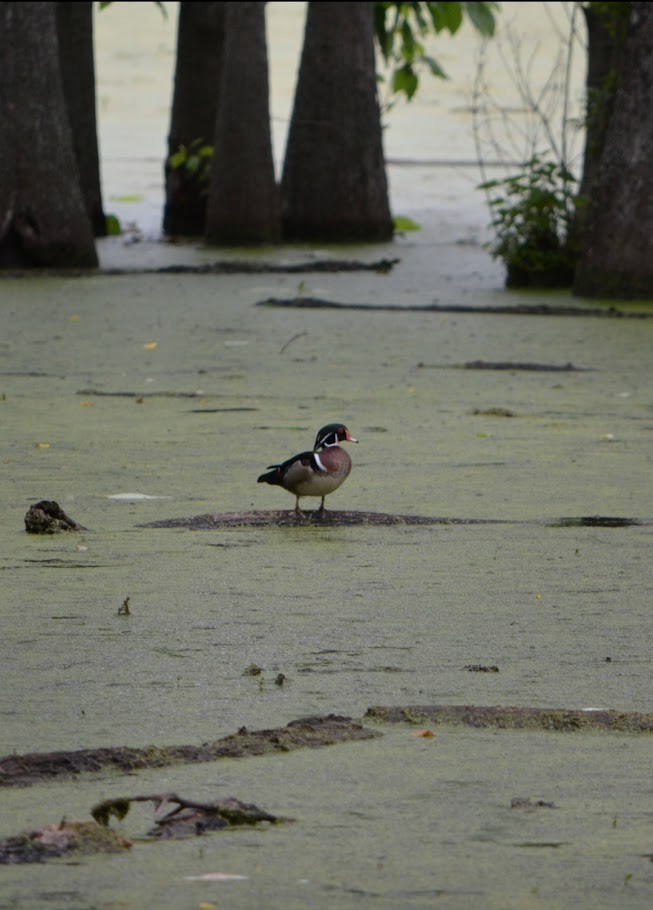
298	511
321	511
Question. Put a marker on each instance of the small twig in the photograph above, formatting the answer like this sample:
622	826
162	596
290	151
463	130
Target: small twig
565	99
294	338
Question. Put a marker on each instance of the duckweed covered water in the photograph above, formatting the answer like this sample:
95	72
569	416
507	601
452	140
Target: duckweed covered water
352	617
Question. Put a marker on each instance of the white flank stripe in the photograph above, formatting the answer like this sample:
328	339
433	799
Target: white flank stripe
318	462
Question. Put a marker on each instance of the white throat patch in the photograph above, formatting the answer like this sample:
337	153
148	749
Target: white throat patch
319	464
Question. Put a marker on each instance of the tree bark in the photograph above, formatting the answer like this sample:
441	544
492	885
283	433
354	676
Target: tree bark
607	26
616	251
75	35
334	183
200	39
43	219
243	203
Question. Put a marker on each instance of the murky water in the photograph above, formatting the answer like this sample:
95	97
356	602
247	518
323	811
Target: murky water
217	389
352	617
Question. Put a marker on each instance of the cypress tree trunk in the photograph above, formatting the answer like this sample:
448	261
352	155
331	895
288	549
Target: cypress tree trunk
243	204
198	70
75	35
334	183
616	249
43	218
607	26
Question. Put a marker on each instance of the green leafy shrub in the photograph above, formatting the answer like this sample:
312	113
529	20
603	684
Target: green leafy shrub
533	214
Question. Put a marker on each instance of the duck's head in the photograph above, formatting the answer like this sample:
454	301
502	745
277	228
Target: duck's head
331	435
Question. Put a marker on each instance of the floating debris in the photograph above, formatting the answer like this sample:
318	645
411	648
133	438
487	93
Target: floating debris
47	517
181	817
134	497
80	838
523	802
186	816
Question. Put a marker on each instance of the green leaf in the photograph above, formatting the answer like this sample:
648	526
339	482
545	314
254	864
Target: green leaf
405	81
447	16
437	16
400	26
435	68
422	24
132	197
178	158
403	223
408	41
113	226
482	17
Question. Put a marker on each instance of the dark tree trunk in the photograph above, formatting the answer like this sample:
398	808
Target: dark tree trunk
243	204
334	183
607	27
43	219
75	34
616	250
200	37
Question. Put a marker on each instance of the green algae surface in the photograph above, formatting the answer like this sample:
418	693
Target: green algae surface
135	399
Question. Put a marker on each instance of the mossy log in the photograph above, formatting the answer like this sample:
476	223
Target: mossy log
313	732
516	718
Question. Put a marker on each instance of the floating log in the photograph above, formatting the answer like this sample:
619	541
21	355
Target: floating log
312	732
516	718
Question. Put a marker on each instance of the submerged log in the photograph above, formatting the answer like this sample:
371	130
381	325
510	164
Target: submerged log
288	518
516	718
312	732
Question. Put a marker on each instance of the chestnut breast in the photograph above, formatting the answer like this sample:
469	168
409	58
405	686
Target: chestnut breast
319	474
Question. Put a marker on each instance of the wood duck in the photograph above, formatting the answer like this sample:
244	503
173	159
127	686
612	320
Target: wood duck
315	473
